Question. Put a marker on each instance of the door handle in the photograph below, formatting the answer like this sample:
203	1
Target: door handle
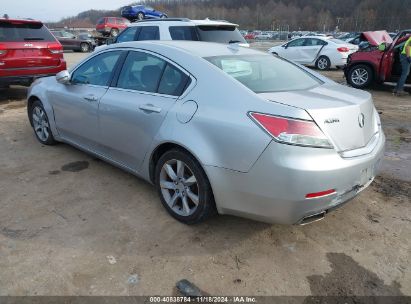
149	108
90	98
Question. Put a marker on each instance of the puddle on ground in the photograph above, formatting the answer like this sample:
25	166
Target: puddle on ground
75	166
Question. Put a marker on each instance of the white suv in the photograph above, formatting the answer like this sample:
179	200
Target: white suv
219	31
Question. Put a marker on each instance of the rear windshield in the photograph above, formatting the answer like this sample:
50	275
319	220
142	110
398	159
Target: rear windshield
24	32
265	73
220	34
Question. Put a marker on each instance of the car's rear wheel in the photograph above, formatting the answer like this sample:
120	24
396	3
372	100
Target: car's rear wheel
114	32
323	63
360	76
85	47
140	16
163	16
40	123
183	187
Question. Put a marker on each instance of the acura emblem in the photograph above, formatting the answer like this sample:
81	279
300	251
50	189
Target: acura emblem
361	120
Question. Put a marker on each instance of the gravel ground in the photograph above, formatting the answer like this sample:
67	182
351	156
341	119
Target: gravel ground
73	225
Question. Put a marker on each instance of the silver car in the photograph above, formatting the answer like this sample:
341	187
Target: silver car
216	128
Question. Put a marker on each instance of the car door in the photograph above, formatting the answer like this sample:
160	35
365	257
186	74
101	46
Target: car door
133	109
64	42
75	105
291	50
309	51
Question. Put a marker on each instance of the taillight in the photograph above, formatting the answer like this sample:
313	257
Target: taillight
292	131
55	48
343	49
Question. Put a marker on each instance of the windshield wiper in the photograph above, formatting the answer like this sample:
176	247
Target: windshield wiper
234	41
33	39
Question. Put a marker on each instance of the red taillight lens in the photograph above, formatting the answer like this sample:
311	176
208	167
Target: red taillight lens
55	48
343	49
292	131
320	194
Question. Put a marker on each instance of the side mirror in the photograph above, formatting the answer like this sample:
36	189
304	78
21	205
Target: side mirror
63	77
382	47
285	45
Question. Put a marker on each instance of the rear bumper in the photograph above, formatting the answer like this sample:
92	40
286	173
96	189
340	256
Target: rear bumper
275	189
27	76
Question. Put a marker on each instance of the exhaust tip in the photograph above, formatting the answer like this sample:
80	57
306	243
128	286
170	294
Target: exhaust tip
312	218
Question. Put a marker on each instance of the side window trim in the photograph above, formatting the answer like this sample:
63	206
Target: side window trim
112	74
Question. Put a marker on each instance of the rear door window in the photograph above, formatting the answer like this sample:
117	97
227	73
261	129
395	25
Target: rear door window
149	33
141	72
183	33
20	32
173	82
98	70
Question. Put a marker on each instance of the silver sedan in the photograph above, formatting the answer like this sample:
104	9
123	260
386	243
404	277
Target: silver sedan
216	128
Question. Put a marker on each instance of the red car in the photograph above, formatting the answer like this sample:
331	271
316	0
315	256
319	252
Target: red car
249	36
27	51
378	61
111	25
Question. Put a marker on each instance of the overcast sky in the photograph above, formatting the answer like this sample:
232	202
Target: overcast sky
54	10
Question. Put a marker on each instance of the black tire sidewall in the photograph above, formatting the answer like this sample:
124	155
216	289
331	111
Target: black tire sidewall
206	206
50	140
366	84
328	63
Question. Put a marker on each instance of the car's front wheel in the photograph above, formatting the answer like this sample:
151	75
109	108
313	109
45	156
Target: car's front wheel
183	187
40	123
360	76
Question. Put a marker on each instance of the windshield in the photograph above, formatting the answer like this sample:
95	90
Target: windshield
265	73
220	34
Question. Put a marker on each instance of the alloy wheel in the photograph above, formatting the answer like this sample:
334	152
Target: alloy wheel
179	187
40	124
322	63
359	76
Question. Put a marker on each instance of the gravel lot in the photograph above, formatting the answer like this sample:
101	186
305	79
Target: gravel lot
73	225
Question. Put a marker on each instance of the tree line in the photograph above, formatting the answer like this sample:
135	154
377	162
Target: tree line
310	15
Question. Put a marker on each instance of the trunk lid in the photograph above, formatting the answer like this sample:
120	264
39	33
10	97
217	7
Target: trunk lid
26	55
345	115
377	37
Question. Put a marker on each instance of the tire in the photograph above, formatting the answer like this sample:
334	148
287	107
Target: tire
40	122
163	16
360	76
114	32
85	47
189	186
323	63
140	16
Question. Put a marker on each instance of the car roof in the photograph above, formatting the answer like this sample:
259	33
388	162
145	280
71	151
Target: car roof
20	20
195	48
181	21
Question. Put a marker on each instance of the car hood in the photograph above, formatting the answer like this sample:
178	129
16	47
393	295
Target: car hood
336	109
377	37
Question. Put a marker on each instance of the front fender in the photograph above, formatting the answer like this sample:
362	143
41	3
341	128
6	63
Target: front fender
39	90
